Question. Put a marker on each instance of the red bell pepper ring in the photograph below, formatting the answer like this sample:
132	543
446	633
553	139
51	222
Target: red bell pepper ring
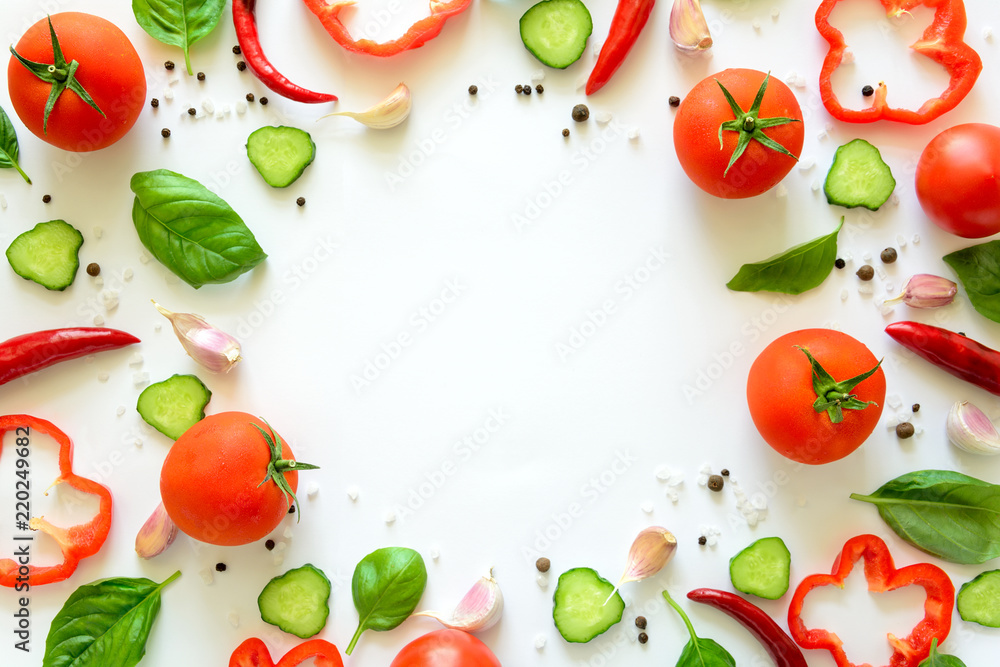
942	41
629	20
76	542
882	576
253	653
419	33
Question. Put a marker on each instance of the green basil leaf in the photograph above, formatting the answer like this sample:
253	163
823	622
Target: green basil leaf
702	652
947	514
978	269
178	22
8	146
104	624
936	659
387	587
192	231
794	271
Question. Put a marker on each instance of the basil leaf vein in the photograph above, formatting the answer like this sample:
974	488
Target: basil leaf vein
387	586
178	22
190	230
978	269
794	271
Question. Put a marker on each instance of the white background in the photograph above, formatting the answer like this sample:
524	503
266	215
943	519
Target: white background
397	219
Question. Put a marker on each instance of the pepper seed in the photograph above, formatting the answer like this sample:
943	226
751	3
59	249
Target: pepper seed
169	64
702	540
526	90
518	89
46	199
543	564
220	567
93	269
724	472
165	132
154	103
301	201
291	509
640	622
866	272
716	482
192	111
269	545
539	89
643	638
565	132
250	97
915	407
888	255
580	113
904	430
473	89
200	76
263	100
674	101
237	50
241	66
840	263
867	91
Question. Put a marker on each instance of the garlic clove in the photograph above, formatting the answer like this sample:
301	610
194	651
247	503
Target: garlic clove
688	27
970	429
478	611
156	534
212	348
388	113
925	290
651	550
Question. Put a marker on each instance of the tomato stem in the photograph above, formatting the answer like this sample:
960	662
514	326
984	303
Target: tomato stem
834	397
750	125
277	467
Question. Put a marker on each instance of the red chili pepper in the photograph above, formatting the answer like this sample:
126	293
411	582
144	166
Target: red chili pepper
955	353
245	21
776	641
882	576
76	542
253	653
420	32
942	42
32	352
629	20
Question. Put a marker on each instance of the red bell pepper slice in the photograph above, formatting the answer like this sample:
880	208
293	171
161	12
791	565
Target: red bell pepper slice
882	576
419	33
253	653
76	542
942	41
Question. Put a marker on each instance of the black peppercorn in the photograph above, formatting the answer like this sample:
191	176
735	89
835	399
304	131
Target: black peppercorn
263	100
241	66
291	509
640	622
220	567
888	255
543	564
866	272
643	638
473	89
169	64
840	263
518	89
200	76
301	201
192	111
724	472
269	545
716	482
46	199
93	269
565	132
915	407
154	103
250	97
237	50
867	91
526	90
539	89
165	132
581	113
702	540
904	430
674	101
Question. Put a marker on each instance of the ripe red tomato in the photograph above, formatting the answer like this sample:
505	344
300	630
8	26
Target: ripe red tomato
210	482
446	648
780	395
958	180
109	70
696	134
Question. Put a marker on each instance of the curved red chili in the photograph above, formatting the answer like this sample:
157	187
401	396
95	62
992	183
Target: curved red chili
245	21
961	356
776	641
34	351
629	20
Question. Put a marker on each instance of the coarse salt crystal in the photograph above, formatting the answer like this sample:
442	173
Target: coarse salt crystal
137	442
542	580
756	24
140	379
435	553
98	232
603	116
168	94
390	517
157	327
98	321
208	105
234	619
890	286
278	560
103	377
227	109
287	533
894	401
110	299
539	642
633	133
120	411
847	58
880	272
915	240
775	12
815	185
865	287
806	164
900	240
781	191
843	294
988	33
352	492
135	360
712	540
647	507
538	75
702	479
3	202
822	135
98	281
144	258
128	274
206	575
705	469
673	496
241	107
759	501
280	546
663	473
312	489
676	479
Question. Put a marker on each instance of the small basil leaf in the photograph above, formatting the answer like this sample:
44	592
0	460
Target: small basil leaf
387	587
947	514
794	271
178	22
192	231
104	624
703	652
936	659
978	269
8	146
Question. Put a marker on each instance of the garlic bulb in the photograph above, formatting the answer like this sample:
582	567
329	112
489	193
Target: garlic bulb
156	534
970	429
688	27
388	113
479	610
651	550
212	348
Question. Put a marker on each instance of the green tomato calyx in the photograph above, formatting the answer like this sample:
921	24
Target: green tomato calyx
750	125
61	74
277	467
834	397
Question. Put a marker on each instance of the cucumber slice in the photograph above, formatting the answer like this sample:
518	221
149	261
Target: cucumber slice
859	177
979	600
280	154
174	405
579	608
48	254
297	601
556	31
762	568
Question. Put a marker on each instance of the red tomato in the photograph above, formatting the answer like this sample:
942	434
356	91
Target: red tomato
110	71
780	395
446	648
210	482
696	134
958	180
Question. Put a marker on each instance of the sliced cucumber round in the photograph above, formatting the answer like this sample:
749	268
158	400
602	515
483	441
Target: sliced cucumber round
556	31
48	254
583	605
174	405
978	600
762	569
280	154
297	601
859	177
